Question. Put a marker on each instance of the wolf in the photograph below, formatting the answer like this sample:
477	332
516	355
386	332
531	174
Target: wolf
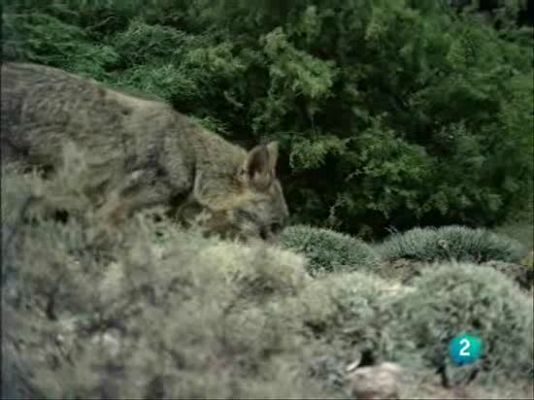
142	153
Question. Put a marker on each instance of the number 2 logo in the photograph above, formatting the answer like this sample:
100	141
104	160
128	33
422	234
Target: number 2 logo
464	350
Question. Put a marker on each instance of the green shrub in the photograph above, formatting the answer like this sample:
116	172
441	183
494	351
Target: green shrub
328	251
451	242
44	39
144	44
454	298
163	81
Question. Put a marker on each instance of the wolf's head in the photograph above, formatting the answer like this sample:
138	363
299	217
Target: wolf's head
248	204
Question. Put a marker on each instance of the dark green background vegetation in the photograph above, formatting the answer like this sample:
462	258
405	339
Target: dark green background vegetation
390	113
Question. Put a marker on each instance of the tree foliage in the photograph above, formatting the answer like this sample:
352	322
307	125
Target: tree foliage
389	113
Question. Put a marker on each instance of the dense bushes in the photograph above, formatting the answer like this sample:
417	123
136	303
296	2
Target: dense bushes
327	250
151	310
390	113
451	242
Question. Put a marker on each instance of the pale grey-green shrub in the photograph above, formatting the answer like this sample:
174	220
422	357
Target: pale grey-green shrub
129	315
350	316
461	297
354	310
451	242
327	250
120	316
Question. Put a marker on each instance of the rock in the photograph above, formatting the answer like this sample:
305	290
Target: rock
379	381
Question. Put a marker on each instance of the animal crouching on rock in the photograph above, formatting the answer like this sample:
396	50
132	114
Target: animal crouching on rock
141	152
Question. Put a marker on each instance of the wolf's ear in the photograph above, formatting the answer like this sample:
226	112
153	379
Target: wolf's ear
259	167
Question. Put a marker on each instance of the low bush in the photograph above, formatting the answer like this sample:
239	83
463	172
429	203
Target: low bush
460	297
329	251
354	309
451	242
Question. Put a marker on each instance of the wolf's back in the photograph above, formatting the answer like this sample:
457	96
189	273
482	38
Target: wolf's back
30	85
44	107
16	80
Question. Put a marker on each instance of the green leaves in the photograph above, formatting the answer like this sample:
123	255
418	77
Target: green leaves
142	43
410	112
45	39
310	153
297	71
